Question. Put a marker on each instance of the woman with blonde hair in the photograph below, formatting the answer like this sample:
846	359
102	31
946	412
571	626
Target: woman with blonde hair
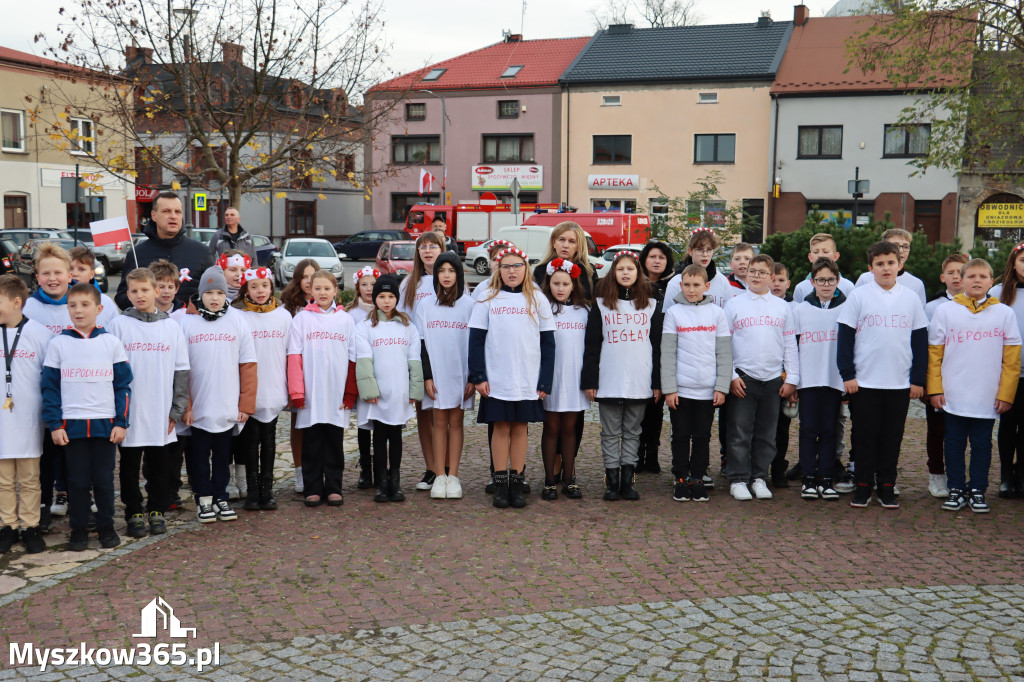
569	241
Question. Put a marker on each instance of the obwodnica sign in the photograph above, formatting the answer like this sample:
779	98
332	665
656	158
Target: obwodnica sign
1001	215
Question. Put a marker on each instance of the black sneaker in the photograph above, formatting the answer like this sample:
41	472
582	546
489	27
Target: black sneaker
137	526
779	480
79	540
698	492
157	525
489	488
708	482
826	490
33	540
793	472
887	496
861	496
1006	490
976	501
809	491
427	482
681	490
956	500
108	538
8	536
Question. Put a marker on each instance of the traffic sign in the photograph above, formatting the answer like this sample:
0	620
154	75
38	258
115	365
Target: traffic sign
200	199
488	202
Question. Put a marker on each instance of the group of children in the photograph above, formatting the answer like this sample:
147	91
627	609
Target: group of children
216	371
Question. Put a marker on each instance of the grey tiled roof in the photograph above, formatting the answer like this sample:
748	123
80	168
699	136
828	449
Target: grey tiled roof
684	53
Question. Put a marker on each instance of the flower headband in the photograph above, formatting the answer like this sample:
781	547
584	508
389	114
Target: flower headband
1018	248
510	251
499	243
563	265
701	229
366	271
258	273
631	254
184	276
241	259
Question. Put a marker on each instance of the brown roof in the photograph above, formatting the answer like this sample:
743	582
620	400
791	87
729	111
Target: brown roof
24	58
816	61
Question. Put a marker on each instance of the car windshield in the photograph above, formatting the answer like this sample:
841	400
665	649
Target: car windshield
310	250
402	251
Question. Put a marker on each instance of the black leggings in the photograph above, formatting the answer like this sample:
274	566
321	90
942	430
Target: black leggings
559	437
258	447
387	447
1010	439
323	459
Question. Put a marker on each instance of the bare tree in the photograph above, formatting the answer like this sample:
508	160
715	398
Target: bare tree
248	94
655	13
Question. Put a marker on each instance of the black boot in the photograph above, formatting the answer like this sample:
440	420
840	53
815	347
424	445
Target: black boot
641	457
365	467
515	490
252	489
501	490
267	501
611	482
626	489
381	474
652	465
395	493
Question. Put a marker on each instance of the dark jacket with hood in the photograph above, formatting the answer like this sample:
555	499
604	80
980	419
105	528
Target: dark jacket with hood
179	249
452	258
222	240
667	274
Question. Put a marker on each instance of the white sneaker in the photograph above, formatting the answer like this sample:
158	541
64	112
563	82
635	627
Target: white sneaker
437	489
937	485
205	511
453	491
225	512
240	481
760	489
60	505
739	491
299	488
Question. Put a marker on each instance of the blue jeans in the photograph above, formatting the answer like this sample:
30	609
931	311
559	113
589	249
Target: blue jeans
958	431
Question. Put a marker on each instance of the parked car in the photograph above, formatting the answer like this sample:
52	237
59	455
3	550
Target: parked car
202	234
297	249
113	254
25	263
265	249
20	235
476	257
609	256
396	257
366	245
8	255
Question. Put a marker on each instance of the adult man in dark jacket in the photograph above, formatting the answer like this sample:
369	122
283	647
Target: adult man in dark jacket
166	239
232	236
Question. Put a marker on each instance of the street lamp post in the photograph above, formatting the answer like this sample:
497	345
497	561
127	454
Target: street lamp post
186	16
444	157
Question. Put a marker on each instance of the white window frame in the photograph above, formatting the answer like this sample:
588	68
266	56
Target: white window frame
80	146
21	131
611	100
707	98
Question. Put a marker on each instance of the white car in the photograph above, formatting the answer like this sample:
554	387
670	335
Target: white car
609	256
295	250
476	257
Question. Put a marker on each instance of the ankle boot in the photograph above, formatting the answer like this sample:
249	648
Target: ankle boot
381	474
395	493
365	472
501	490
267	501
515	490
242	481
626	489
611	483
252	491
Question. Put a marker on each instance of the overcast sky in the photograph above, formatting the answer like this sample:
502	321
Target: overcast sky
424	31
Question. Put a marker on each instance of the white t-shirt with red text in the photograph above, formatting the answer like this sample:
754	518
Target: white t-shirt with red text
325	342
215	350
512	348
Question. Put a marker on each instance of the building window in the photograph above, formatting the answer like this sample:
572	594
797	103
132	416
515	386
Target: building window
709	213
300	169
613	149
714	148
508	149
90	209
15	211
512	71
208	175
707	98
12	123
416	112
434	74
147	166
401	202
613	205
82	141
820	142
425	149
508	108
300	218
905	141
346	165
611	100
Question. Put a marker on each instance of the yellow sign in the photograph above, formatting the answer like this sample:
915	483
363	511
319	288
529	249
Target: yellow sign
1001	215
200	201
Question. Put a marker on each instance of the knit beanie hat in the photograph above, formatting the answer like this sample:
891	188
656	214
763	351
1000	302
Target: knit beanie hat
213	278
386	284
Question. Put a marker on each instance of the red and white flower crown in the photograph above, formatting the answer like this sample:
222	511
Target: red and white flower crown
510	251
365	271
498	243
563	265
239	259
632	254
697	230
257	273
1018	248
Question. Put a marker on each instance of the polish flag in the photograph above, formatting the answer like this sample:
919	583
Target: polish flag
426	182
110	231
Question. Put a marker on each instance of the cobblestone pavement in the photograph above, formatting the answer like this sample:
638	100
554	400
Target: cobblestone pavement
446	589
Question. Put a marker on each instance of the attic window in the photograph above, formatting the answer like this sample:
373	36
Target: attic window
707	97
611	100
434	74
511	71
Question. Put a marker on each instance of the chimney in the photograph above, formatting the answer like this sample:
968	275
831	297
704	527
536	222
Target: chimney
620	28
134	54
514	38
765	19
800	15
232	54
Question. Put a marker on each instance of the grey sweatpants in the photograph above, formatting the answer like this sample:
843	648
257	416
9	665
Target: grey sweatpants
620	433
750	430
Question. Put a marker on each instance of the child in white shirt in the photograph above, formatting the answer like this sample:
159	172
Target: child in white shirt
822	245
359	307
1010	438
902	240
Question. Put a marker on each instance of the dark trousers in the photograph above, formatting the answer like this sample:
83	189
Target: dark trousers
650	432
936	436
209	456
751	429
779	464
323	459
47	468
979	432
691	437
387	448
1010	441
879	416
175	458
153	460
258	445
819	414
91	468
